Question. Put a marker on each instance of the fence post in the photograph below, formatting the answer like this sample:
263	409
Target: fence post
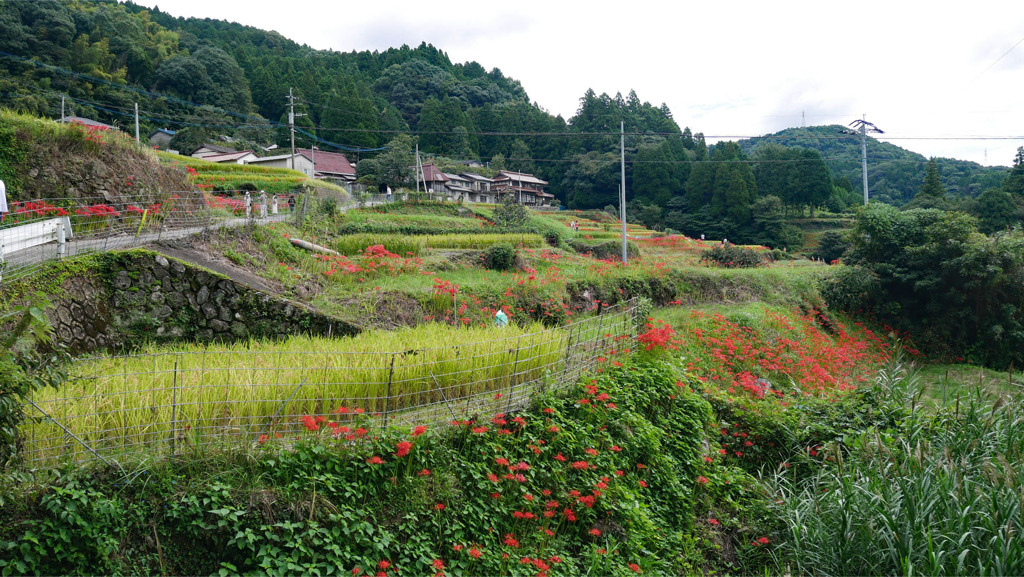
174	413
61	239
512	381
568	358
387	401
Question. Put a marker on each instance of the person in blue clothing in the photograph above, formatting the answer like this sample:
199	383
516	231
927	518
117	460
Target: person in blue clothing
500	319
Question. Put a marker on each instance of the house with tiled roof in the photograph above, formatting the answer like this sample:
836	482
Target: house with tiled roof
210	150
299	162
329	165
88	122
458	187
433	180
240	157
479	187
161	138
527	188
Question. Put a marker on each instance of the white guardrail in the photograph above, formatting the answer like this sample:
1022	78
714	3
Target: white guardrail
33	234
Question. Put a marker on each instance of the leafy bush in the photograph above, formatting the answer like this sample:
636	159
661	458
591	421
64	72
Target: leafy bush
732	256
501	256
955	290
831	246
511	214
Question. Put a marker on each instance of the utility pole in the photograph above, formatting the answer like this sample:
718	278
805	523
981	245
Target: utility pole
136	123
62	109
291	126
863	127
622	187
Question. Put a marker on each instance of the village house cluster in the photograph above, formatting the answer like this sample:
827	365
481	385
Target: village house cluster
527	189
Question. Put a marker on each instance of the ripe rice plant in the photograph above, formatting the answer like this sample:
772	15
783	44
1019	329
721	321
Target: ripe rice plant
354	244
482	241
196	397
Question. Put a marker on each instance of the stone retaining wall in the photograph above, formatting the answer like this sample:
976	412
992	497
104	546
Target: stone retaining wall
141	296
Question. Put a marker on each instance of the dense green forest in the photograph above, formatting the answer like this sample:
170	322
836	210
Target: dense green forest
895	174
207	78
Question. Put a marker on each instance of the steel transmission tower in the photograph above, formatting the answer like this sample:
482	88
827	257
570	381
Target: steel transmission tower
863	127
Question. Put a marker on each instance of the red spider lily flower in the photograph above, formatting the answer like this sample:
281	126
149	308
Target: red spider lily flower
310	423
474	553
549	410
458	547
418	431
492	477
635	568
495	495
424	473
615	448
501	461
520	466
357	570
595	532
439	506
375	460
703	480
383	564
553	429
591	452
580	465
510	540
403	448
438	564
643	483
559	457
479	430
713	522
528	497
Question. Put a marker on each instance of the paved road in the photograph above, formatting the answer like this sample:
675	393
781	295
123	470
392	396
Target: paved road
24	260
28	258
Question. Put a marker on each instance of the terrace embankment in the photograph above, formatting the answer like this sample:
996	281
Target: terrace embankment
119	300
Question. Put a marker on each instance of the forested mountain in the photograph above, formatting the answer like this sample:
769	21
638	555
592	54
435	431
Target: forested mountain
208	79
894	174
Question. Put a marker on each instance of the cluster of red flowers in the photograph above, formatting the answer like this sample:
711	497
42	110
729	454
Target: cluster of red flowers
376	261
732	356
97	210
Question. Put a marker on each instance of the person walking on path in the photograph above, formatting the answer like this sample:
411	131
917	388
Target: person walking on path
3	200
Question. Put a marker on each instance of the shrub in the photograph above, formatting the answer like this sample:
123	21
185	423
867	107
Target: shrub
511	214
501	256
731	256
552	238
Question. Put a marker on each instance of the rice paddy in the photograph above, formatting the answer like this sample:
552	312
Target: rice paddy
192	396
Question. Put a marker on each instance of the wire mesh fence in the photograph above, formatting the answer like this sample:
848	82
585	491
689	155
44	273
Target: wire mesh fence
96	224
147	405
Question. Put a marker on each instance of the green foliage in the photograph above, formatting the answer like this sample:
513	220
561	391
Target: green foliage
501	256
935	495
510	214
895	174
732	256
621	469
831	246
955	290
28	361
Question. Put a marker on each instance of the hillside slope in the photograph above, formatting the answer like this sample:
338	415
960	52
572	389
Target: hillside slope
895	174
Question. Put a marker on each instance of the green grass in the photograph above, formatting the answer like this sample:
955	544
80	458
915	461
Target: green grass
943	384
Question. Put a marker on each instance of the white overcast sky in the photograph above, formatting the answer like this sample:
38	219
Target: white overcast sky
941	78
